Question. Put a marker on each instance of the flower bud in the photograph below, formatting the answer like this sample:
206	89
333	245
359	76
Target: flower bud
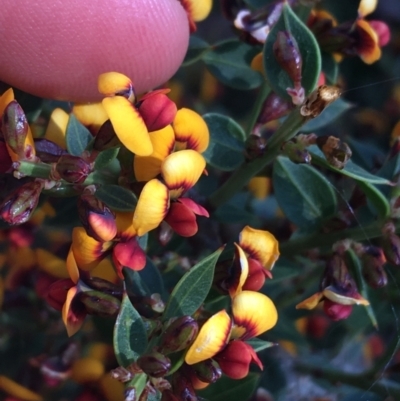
97	218
99	304
274	107
157	111
18	207
296	152
73	169
373	271
15	127
106	137
179	334
288	56
337	311
154	364
255	147
207	371
337	153
391	248
182	387
48	151
105	286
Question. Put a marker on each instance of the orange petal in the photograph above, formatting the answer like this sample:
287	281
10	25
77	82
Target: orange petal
151	208
72	316
260	187
334	296
260	245
368	50
242	268
366	7
212	338
257	63
72	267
86	370
310	302
112	83
181	170
105	270
57	127
51	264
5	98
128	125
16	390
91	115
255	312
87	251
191	131
148	167
125	228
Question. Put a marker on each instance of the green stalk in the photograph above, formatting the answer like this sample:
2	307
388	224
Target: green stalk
261	96
38	170
247	170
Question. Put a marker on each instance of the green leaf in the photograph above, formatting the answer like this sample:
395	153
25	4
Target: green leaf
130	340
105	157
330	68
145	282
226	148
117	198
304	194
330	114
229	61
77	136
197	47
309	50
377	199
257	3
259	345
192	288
350	170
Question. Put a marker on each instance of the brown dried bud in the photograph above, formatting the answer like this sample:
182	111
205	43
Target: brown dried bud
15	128
296	152
179	334
18	207
106	137
99	304
73	169
207	371
157	111
154	364
97	218
255	147
318	100
373	260
391	248
274	107
337	153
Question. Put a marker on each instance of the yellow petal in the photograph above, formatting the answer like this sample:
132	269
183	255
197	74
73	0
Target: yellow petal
367	7
370	52
105	270
5	98
310	302
112	389
72	321
112	83
199	9
255	312
260	245
152	207
86	370
334	296
148	167
72	267
191	131
128	125
212	338
181	170
51	264
260	187
57	127
16	390
87	251
91	115
239	280
125	228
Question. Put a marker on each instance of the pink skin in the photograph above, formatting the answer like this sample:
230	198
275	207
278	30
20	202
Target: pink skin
56	49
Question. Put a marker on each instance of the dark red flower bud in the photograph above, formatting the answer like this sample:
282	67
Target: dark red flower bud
235	359
337	153
15	128
73	169
97	218
274	107
105	286
182	387
179	334
48	151
106	137
157	111
99	304
373	260
337	311
18	207
207	371
57	293
296	152
5	159
391	248
255	146
154	364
